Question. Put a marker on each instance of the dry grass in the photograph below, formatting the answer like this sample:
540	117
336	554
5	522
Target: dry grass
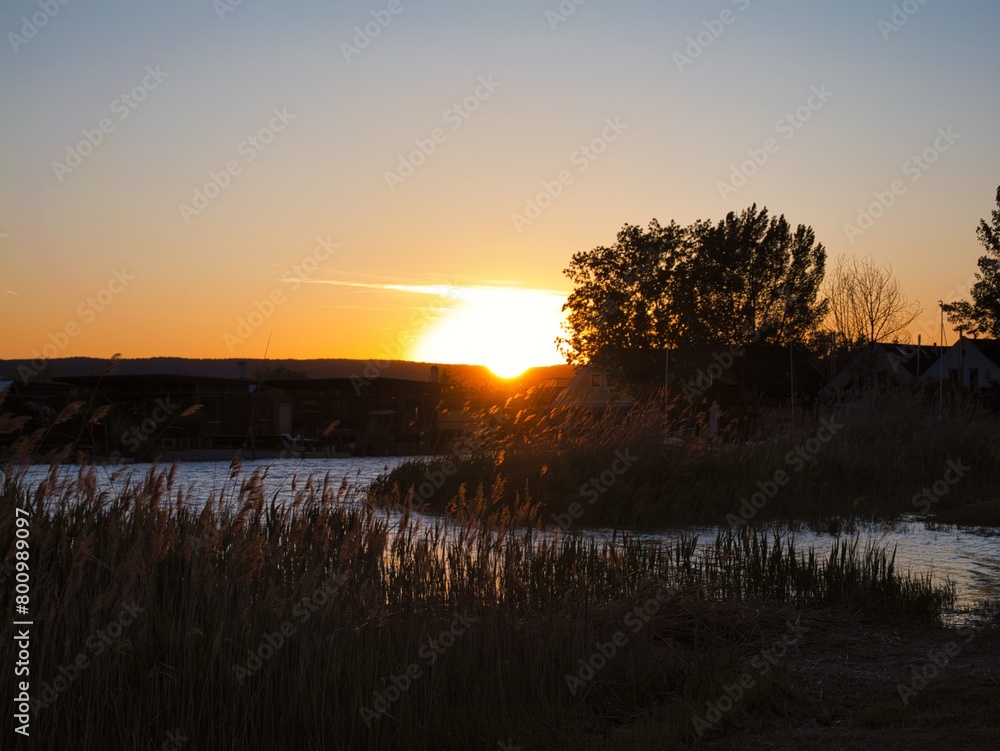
357	597
890	447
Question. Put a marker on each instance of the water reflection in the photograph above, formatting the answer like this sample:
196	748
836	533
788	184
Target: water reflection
969	558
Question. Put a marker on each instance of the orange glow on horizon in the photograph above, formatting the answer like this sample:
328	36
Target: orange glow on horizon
506	329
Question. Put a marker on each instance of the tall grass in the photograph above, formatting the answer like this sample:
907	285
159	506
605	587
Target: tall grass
890	447
359	596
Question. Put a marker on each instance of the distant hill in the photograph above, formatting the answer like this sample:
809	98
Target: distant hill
248	368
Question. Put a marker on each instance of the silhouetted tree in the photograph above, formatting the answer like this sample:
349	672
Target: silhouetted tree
624	296
751	279
867	303
746	278
981	315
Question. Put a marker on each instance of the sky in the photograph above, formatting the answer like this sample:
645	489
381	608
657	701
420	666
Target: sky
409	178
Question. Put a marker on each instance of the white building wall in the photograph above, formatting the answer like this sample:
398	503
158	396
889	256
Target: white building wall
965	357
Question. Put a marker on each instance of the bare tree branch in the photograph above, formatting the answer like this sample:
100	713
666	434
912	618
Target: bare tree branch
867	303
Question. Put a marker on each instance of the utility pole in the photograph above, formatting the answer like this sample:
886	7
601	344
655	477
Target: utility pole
941	366
791	378
666	383
833	354
666	395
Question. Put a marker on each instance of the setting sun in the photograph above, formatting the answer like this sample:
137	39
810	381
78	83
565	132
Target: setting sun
507	330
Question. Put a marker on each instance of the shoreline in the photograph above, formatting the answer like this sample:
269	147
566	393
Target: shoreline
194	456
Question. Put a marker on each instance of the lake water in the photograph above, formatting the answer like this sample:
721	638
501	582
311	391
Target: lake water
970	558
211	478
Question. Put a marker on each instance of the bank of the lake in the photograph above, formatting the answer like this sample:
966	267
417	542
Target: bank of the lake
280	608
967	555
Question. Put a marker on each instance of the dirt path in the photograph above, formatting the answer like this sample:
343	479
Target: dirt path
870	686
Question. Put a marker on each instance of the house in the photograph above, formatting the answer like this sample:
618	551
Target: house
142	411
373	416
595	388
879	366
753	389
972	364
40	401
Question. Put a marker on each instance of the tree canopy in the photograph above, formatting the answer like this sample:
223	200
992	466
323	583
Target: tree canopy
981	314
747	278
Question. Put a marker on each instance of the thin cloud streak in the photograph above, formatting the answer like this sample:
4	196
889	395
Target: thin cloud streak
442	290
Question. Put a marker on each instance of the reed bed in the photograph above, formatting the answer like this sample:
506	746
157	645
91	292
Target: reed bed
886	448
328	622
